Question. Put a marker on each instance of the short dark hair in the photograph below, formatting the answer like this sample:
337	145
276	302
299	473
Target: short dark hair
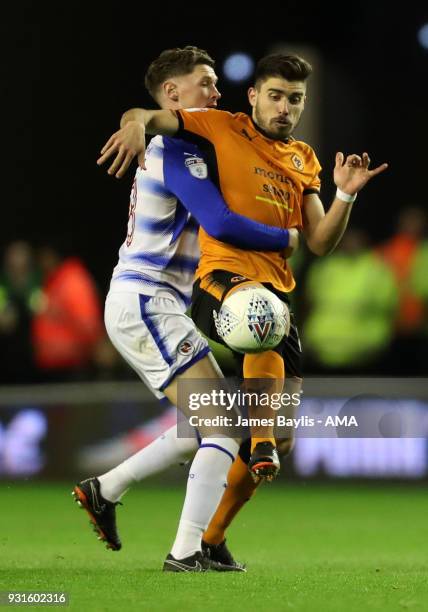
174	62
290	67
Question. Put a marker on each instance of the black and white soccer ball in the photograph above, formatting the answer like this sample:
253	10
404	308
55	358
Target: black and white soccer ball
252	320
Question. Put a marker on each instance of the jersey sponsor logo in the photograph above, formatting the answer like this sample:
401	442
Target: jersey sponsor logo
197	167
298	162
196	110
275	176
276	191
186	348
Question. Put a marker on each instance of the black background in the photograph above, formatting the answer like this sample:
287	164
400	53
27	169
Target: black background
70	69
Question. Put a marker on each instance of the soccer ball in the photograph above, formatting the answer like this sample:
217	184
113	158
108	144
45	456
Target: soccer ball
252	320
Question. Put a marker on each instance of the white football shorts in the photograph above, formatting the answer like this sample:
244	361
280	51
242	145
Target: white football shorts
154	336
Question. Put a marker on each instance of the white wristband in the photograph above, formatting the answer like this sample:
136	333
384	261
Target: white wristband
345	197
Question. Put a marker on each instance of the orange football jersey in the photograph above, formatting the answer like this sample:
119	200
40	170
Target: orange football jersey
260	178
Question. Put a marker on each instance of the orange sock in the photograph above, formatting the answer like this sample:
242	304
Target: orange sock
267	365
240	487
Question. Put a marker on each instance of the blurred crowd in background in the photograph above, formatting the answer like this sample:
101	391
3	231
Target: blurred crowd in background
361	310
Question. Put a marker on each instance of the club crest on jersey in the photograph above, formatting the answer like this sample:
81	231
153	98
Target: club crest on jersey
197	167
298	162
186	348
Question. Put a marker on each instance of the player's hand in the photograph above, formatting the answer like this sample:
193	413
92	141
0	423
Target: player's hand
125	144
352	173
293	243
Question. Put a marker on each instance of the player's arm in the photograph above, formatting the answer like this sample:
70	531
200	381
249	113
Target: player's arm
323	231
204	201
163	122
130	140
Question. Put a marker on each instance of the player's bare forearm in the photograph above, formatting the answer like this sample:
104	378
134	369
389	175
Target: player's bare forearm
133	114
330	228
163	122
324	231
129	141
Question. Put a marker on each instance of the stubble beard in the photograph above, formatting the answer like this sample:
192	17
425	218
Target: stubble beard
275	134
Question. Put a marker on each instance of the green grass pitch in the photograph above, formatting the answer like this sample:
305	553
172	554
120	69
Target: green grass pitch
307	547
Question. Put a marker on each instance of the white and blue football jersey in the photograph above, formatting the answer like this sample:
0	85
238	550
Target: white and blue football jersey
161	252
168	202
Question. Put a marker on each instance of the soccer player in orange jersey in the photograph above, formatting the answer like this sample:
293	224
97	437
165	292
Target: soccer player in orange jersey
267	175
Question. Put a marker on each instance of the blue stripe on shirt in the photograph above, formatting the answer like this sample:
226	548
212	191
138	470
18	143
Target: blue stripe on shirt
148	280
152	186
154	226
175	262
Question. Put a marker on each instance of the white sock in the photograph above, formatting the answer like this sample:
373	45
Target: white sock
205	487
166	450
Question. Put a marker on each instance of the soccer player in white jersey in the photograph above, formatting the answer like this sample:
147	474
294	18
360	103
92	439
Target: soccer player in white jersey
149	293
